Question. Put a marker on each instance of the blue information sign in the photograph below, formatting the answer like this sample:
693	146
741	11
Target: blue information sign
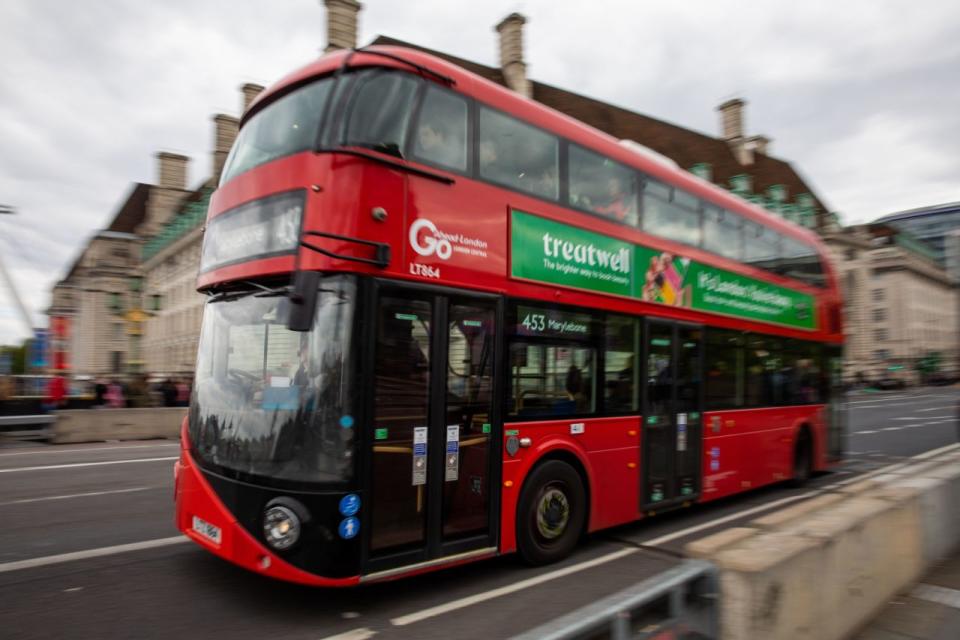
349	504
349	527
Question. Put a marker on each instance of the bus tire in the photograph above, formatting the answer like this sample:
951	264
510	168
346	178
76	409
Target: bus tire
551	513
802	458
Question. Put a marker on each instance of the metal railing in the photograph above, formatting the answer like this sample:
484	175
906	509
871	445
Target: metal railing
680	603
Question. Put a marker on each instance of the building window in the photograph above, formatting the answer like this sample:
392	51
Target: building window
882	354
879	315
117	330
880	335
850	254
877	295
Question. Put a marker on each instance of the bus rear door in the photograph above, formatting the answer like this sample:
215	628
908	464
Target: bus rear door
673	414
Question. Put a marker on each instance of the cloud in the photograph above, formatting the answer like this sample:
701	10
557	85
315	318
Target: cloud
860	96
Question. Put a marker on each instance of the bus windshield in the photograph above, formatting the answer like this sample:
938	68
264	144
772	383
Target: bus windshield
287	126
271	402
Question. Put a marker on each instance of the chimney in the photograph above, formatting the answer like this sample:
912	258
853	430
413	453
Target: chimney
511	54
166	194
341	24
224	133
731	119
250	92
760	144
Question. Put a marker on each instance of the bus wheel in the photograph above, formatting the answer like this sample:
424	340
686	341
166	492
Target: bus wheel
802	459
551	513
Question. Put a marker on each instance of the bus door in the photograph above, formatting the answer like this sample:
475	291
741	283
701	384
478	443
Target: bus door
672	415
431	459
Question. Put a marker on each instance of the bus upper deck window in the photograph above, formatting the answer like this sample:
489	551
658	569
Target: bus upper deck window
518	155
603	186
441	131
379	111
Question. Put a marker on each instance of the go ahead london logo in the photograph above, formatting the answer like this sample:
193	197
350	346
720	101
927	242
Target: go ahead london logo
427	240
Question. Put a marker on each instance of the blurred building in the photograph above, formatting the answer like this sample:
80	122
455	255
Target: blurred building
91	304
929	224
900	305
171	260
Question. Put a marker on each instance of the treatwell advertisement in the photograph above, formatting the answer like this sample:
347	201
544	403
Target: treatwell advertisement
548	251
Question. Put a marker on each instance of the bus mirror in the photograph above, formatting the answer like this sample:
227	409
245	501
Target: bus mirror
303	300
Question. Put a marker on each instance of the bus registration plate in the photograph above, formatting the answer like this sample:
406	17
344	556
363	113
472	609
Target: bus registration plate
207	530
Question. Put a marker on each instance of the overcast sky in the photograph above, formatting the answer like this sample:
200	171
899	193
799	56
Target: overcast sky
861	96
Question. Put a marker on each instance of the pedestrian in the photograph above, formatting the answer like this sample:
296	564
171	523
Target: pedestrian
99	393
183	393
114	395
56	397
169	392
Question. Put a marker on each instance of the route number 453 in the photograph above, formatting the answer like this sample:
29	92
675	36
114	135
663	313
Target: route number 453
534	322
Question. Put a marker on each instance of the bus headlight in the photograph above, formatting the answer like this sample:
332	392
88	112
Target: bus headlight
281	527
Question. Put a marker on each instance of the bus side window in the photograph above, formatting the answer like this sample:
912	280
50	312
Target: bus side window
621	364
517	155
671	213
551	380
724	369
602	186
721	233
761	246
441	132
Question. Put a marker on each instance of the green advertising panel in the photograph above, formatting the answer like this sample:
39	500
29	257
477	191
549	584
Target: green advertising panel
548	251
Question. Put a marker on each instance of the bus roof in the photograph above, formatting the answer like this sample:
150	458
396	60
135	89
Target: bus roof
542	116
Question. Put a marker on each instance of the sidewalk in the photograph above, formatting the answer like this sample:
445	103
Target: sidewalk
929	610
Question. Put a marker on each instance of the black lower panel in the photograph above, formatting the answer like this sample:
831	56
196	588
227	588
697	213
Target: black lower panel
321	550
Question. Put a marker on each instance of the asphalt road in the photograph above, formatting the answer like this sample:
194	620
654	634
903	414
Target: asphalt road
86	500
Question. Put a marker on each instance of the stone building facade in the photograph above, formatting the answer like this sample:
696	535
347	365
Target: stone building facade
900	304
171	260
95	303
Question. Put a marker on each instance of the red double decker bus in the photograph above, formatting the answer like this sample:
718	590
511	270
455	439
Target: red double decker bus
446	323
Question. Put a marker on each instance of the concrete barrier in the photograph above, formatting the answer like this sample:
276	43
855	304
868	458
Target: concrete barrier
98	425
823	568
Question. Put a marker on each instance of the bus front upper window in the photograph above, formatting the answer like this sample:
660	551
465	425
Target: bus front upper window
379	111
286	126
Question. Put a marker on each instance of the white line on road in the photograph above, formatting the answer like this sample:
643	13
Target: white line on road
90	553
78	495
86	464
935	452
938	594
864	432
85	449
511	588
355	634
653	542
934	408
901	399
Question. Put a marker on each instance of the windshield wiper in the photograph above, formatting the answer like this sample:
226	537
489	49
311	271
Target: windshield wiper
257	290
389	148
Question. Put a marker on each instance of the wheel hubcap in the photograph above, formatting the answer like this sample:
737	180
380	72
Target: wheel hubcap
553	513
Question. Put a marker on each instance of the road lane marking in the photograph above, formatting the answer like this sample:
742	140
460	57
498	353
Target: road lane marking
467	601
90	553
934	408
84	450
940	595
654	542
86	464
78	495
864	432
904	399
935	452
354	634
